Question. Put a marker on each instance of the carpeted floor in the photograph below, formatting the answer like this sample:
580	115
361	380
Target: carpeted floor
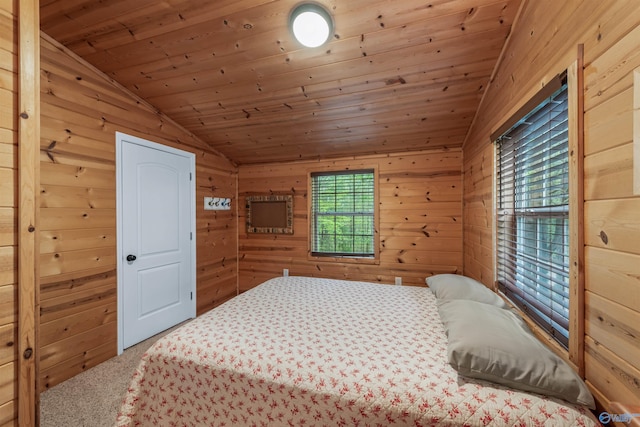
93	398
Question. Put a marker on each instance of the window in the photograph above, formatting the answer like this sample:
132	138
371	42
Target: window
533	214
343	213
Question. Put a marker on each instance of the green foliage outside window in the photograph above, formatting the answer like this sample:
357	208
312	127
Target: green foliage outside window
343	213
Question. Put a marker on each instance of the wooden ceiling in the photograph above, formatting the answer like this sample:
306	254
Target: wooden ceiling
398	74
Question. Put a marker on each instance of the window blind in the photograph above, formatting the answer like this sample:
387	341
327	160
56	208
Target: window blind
342	209
533	214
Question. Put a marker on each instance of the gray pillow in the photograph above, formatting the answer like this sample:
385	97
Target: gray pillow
493	344
455	286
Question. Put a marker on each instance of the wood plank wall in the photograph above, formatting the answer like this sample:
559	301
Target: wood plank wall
420	199
8	212
543	43
81	111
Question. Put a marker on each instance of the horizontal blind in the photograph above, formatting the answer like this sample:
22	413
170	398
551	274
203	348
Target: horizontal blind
342	209
533	215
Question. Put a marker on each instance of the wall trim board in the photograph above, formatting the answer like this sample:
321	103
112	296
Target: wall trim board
576	211
636	131
28	214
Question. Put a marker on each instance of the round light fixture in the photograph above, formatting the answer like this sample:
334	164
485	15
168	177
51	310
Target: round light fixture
311	24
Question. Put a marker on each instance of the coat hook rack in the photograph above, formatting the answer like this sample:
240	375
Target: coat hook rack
212	203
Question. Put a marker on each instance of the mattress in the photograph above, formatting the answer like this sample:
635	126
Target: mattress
302	351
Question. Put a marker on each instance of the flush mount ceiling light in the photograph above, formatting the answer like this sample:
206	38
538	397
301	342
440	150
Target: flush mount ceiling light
311	24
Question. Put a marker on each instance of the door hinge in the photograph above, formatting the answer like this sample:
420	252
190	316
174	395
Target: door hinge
191	235
191	296
190	176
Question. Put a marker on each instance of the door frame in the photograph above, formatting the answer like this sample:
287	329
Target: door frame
122	138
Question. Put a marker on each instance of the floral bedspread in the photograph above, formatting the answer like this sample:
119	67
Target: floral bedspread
300	351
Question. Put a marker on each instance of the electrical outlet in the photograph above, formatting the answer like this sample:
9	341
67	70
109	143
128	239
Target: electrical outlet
285	272
398	280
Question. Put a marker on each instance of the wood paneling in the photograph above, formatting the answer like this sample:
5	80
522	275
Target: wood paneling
607	124
420	226
81	110
614	275
8	351
477	216
609	32
396	76
608	174
9	341
7	386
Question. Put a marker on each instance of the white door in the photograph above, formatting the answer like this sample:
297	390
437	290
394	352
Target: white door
156	252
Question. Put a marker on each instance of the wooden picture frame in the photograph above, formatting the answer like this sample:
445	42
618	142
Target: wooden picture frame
271	214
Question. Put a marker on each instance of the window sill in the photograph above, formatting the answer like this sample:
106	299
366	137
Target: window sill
344	259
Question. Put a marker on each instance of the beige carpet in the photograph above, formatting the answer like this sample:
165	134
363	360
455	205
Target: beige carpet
93	398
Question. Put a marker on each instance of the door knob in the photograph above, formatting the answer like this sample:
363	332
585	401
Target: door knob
131	258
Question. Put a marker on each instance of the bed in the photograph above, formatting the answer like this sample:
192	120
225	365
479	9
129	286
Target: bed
303	351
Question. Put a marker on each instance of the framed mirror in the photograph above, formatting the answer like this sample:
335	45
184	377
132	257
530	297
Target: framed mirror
270	214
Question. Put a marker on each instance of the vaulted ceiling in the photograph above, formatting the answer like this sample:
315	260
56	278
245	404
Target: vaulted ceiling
398	75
